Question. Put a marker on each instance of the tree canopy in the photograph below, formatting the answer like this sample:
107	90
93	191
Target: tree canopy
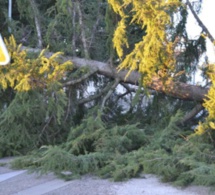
80	68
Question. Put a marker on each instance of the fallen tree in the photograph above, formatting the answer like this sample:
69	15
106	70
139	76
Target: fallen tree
48	111
175	89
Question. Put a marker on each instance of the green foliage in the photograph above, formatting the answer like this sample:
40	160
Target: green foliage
121	152
38	115
29	121
90	147
32	114
181	160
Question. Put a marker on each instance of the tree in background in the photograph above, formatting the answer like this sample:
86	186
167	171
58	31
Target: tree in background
139	47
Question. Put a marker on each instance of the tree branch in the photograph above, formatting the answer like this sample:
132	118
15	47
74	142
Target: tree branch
191	114
109	93
83	35
178	90
72	82
93	97
200	22
37	23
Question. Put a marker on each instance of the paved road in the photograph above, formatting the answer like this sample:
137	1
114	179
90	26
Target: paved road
20	182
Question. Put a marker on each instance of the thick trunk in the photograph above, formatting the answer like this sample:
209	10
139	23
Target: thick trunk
175	89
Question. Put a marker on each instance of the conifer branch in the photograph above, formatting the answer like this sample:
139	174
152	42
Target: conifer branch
109	93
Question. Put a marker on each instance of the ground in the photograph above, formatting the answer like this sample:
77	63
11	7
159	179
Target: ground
21	182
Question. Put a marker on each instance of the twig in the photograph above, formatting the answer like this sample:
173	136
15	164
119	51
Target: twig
93	97
72	82
68	106
126	86
109	93
44	128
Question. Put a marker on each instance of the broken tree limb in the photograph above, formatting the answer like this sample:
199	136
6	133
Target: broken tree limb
174	89
191	114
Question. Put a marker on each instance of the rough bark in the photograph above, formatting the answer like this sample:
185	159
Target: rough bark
178	90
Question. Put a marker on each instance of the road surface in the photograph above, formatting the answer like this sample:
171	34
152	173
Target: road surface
20	182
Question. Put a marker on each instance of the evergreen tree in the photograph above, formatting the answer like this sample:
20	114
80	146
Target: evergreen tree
114	99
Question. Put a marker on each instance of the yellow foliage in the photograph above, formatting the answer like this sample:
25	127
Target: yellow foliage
119	39
212	125
200	129
24	73
117	7
209	103
154	52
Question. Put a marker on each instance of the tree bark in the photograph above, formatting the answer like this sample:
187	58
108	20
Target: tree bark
175	89
201	24
191	114
178	90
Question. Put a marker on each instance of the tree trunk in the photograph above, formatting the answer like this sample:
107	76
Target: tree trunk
175	89
178	90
